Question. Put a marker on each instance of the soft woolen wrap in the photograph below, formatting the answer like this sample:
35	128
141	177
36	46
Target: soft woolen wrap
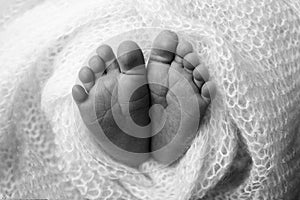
248	143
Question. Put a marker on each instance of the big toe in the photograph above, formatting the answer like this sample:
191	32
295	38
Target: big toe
130	57
132	83
162	54
164	47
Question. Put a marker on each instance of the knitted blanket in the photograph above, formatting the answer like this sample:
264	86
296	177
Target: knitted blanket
248	145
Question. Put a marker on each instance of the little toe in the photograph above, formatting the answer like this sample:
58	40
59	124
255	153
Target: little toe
106	53
190	61
97	65
208	91
79	94
201	75
87	77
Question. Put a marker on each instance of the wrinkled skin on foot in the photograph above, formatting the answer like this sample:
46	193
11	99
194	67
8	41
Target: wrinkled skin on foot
115	94
177	83
247	144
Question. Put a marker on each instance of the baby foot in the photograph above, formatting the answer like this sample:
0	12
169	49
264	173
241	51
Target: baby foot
114	105
178	82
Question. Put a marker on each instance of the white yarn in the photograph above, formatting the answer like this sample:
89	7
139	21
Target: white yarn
253	53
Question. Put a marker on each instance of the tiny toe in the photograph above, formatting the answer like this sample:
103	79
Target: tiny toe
130	57
190	61
97	65
87	77
79	94
106	53
201	75
208	91
182	50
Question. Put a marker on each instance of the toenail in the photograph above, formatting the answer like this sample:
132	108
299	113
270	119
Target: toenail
79	94
86	75
209	90
96	64
106	53
184	48
205	93
131	59
191	60
166	41
201	73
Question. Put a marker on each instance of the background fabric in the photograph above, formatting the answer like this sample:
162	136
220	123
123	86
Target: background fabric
247	146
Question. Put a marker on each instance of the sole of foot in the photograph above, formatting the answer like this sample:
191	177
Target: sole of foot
114	102
179	83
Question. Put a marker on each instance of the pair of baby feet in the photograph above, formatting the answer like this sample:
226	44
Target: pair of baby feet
136	112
